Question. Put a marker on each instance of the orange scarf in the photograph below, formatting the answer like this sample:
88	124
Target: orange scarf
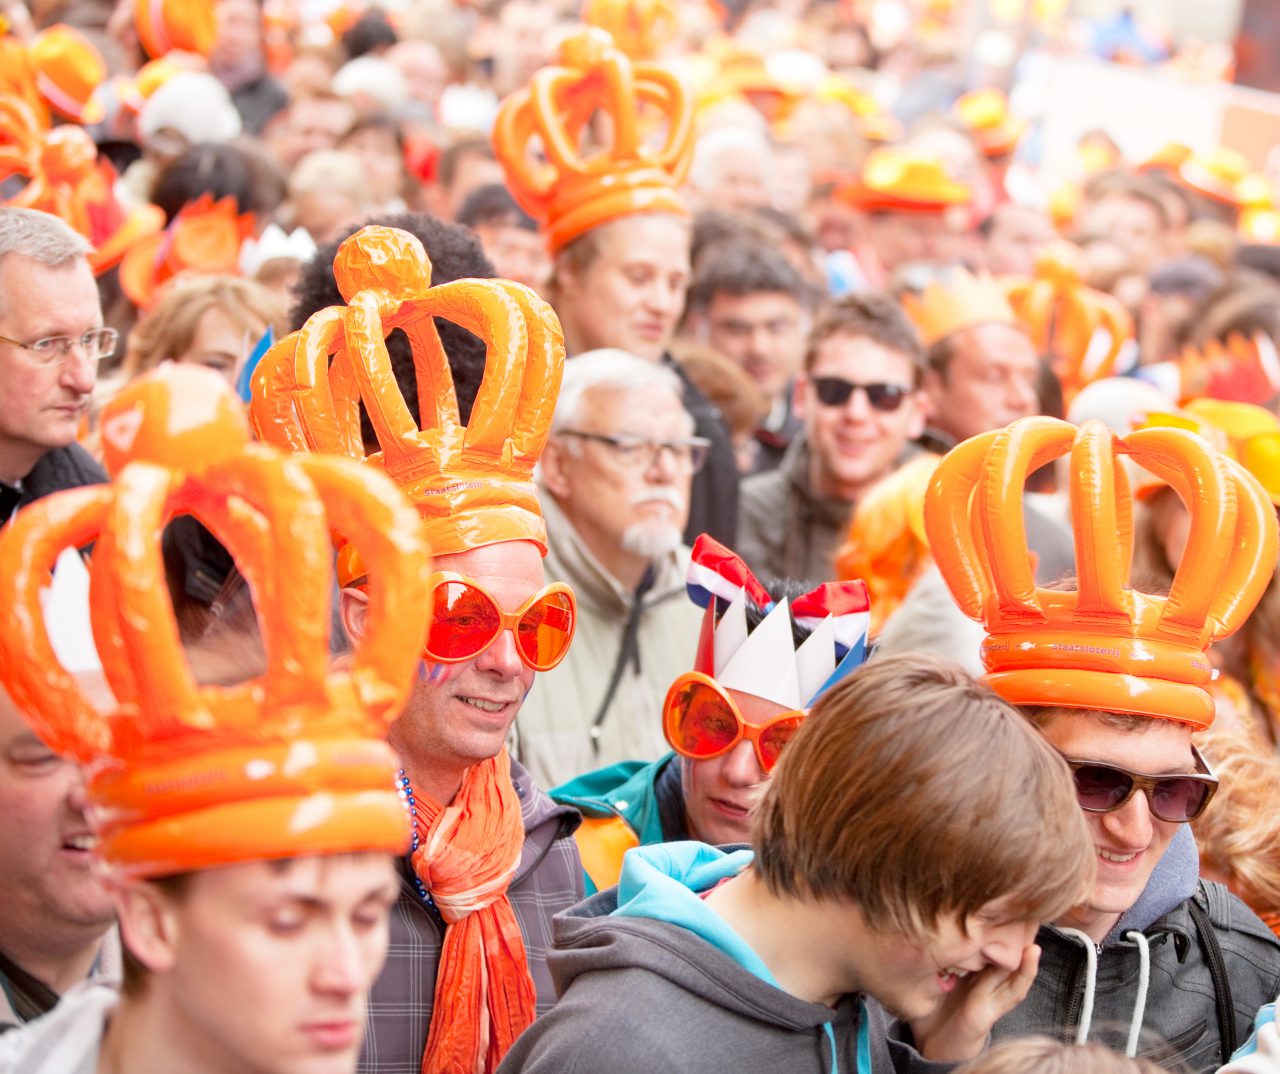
466	858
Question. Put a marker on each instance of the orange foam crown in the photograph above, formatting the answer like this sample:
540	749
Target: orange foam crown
293	762
1103	646
473	484
571	193
960	300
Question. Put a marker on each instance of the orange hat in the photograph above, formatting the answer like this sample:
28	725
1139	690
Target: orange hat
165	25
474	483
641	28
985	112
958	300
1104	645
1067	320
291	763
571	194
900	180
871	121
205	237
1168	158
65	177
68	68
1216	174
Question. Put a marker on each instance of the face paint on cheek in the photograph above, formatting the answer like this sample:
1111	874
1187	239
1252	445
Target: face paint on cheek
437	675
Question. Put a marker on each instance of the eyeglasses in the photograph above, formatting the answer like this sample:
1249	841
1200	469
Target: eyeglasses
701	721
1104	788
466	620
835	391
640	453
95	344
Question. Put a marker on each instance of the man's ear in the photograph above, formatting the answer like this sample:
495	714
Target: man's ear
148	924
553	468
801	389
353	604
930	391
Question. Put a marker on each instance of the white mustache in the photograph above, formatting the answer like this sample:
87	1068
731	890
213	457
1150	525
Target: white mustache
664	494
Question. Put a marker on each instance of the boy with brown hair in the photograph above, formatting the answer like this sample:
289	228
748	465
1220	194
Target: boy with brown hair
915	833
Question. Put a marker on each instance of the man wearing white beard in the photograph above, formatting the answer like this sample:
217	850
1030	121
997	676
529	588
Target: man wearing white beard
616	474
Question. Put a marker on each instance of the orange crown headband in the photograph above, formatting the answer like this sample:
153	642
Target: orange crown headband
473	484
959	300
1066	319
293	762
1104	646
570	194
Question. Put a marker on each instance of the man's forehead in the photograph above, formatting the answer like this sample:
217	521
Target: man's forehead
754	306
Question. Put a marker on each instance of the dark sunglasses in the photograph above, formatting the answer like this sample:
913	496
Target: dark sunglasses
1104	788
835	391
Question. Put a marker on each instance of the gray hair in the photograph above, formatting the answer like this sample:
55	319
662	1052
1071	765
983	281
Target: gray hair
42	237
607	369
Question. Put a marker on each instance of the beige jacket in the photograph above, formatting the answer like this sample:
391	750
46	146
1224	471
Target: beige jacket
553	731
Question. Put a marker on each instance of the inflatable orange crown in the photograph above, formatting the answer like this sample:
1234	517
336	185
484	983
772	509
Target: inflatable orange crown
1103	646
641	28
183	776
571	193
1084	331
961	300
473	484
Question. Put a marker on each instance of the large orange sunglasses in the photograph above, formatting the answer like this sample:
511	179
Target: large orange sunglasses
702	721
466	620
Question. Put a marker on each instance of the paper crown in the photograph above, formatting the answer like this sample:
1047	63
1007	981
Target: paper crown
899	180
68	68
573	193
641	28
1083	331
1104	645
473	484
1244	369
958	300
183	776
206	236
66	178
985	113
766	663
273	243
185	25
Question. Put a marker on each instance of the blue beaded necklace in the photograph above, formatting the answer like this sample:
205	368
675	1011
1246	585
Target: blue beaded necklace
411	804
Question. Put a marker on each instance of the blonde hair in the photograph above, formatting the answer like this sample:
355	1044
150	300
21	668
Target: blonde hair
1040	1055
169	327
916	793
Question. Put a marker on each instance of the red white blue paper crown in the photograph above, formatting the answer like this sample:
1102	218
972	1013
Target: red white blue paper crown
766	662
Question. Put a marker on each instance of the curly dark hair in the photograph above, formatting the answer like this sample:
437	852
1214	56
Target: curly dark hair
455	254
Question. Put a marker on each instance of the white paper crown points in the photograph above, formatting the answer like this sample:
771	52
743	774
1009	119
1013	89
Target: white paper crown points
764	665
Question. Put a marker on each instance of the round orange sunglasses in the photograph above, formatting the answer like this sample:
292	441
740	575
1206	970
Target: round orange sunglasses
702	721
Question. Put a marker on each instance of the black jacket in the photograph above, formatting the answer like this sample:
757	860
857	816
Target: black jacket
62	468
713	502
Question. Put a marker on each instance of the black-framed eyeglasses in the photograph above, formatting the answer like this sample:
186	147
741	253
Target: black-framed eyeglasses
640	453
95	344
1104	788
836	391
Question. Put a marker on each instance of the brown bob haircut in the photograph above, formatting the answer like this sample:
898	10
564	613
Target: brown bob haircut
915	793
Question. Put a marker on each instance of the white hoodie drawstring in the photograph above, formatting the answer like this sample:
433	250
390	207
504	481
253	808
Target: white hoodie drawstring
1144	980
1090	980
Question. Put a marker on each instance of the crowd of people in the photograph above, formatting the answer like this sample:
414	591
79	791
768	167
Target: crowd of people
564	536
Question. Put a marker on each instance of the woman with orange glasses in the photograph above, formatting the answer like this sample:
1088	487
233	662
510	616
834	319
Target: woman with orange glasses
764	657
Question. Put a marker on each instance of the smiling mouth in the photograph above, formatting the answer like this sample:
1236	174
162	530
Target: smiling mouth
1117	858
82	843
484	705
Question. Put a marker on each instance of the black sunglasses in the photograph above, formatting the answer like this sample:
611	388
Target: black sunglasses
1104	788
835	391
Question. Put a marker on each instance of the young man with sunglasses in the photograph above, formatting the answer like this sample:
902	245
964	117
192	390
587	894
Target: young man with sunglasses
728	719
615	480
914	835
1153	959
493	857
859	399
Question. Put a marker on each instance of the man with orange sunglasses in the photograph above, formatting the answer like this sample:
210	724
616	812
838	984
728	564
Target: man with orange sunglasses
764	658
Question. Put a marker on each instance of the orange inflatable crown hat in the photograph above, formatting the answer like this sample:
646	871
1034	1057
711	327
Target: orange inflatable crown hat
641	28
572	193
960	300
1084	331
899	180
1104	645
985	113
185	25
474	483
183	776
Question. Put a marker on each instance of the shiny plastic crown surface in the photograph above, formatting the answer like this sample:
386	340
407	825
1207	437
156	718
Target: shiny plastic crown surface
572	192
473	484
293	761
960	300
1102	645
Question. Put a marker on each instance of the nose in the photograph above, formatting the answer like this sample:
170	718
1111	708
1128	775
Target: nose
858	406
502	657
79	372
77	798
1006	943
664	298
1022	396
742	766
1131	826
337	969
